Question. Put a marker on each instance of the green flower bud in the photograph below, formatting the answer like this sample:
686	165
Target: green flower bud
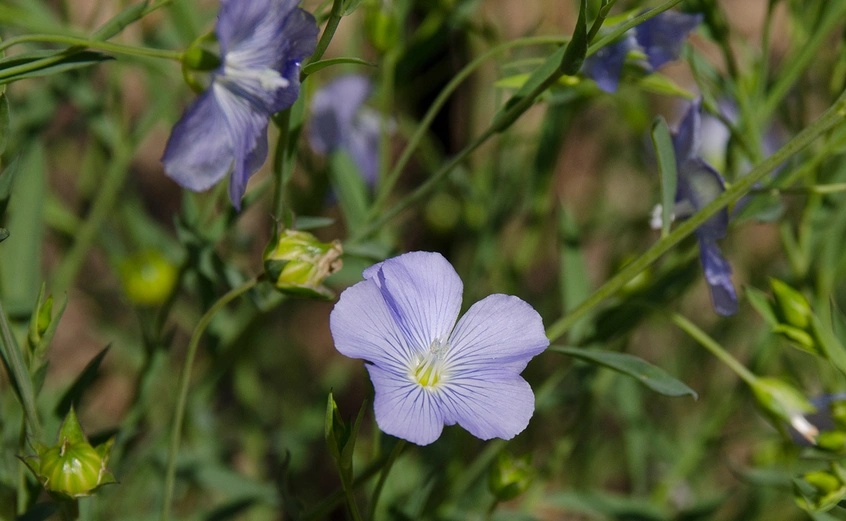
783	402
800	338
381	27
838	414
820	491
792	307
148	278
72	468
341	435
297	263
509	476
199	57
42	324
832	441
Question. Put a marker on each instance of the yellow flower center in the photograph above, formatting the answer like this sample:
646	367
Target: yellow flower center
429	368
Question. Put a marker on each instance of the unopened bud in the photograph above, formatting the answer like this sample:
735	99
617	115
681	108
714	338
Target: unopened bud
72	468
783	402
148	278
298	264
792	307
509	476
832	441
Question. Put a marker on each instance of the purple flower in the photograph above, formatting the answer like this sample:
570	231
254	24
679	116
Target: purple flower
660	38
698	185
262	43
427	370
339	121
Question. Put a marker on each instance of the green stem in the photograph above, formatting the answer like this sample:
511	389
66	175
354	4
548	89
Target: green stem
383	478
828	120
499	124
809	53
282	121
349	489
116	48
716	349
329	32
22	495
184	385
325	507
19	374
600	19
423	127
101	209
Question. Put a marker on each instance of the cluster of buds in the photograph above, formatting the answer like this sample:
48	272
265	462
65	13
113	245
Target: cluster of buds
298	264
821	490
71	468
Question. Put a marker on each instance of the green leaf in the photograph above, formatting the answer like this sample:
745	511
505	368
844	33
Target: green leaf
20	257
18	68
649	375
82	383
304	222
574	56
350	187
351	6
117	23
6	180
575	283
660	84
311	68
762	304
18	372
663	143
5	122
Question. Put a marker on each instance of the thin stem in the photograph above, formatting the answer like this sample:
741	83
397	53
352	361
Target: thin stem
831	188
328	32
600	19
282	121
828	120
383	478
116	48
336	498
715	348
420	132
499	124
184	385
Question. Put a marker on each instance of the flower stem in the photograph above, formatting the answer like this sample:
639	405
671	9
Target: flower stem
349	489
280	162
398	448
496	126
184	385
325	507
329	31
116	48
832	117
715	348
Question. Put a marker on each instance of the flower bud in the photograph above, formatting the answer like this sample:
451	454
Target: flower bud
341	435
72	468
297	263
791	306
381	27
784	403
821	490
148	278
832	441
509	476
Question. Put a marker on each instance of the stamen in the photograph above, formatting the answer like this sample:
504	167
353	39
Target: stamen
428	369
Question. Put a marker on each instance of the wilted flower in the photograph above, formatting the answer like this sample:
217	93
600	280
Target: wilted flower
660	39
298	264
262	43
340	121
698	185
427	370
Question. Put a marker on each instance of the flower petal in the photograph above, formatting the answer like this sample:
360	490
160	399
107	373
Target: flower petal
423	292
247	129
199	151
405	409
606	66
718	275
489	403
699	184
334	108
662	36
498	331
362	143
363	327
686	138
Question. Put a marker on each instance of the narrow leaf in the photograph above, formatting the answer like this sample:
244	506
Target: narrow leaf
649	375
59	62
82	383
117	23
575	283
663	143
12	356
5	122
311	68
350	189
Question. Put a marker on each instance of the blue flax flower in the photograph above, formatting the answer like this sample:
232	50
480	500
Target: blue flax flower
262	43
698	185
660	38
339	121
427	370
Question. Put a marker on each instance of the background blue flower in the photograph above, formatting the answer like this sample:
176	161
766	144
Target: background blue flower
340	121
262	44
